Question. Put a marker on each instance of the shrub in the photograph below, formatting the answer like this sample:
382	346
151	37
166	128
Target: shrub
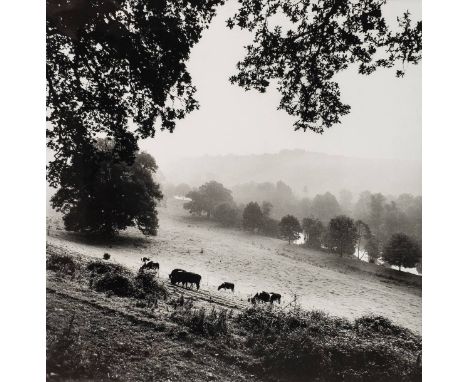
62	264
199	322
146	286
305	346
118	284
106	256
377	324
101	268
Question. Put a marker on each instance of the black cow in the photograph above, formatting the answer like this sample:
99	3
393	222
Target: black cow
150	265
173	274
275	297
226	285
260	297
180	276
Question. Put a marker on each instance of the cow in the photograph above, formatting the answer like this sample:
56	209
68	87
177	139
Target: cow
226	285
192	278
173	274
260	297
275	297
180	276
150	265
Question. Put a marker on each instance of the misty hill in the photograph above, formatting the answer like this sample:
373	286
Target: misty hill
307	173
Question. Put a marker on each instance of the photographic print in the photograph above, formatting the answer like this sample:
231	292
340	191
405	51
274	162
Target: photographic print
234	190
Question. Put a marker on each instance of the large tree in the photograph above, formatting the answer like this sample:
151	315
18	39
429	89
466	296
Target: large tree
372	249
252	217
325	207
290	228
101	194
207	197
227	214
112	62
342	235
313	231
402	251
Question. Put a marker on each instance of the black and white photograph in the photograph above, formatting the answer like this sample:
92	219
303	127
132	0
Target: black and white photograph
232	190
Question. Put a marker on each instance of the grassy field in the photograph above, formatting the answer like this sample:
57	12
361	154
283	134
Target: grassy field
107	323
340	286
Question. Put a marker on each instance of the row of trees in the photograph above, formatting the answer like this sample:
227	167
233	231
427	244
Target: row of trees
341	234
385	215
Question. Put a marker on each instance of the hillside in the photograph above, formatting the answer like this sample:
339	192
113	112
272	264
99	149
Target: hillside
317	171
341	286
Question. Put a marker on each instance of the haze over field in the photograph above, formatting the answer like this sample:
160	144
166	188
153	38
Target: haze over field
317	172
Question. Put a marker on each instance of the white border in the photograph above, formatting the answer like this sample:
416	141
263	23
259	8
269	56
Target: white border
22	267
445	192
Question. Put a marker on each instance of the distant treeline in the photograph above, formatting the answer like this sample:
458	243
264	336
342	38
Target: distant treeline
382	227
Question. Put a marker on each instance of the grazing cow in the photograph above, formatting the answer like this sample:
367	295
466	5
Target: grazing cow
275	297
173	274
260	297
226	285
191	278
180	276
150	265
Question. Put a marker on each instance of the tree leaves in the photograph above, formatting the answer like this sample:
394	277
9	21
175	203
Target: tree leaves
110	63
315	41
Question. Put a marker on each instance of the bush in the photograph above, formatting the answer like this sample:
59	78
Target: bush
146	286
377	324
199	322
118	284
305	346
62	264
106	256
101	268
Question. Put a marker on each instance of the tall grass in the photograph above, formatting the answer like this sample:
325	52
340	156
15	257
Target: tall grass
199	321
312	346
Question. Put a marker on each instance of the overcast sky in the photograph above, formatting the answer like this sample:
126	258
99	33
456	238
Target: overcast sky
385	118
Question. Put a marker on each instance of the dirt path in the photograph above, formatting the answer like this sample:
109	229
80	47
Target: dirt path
344	287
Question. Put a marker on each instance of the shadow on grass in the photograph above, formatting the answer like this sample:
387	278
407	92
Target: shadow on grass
129	238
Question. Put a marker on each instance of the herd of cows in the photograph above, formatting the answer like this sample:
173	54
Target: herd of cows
186	279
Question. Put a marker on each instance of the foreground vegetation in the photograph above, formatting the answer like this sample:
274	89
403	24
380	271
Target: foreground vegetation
261	343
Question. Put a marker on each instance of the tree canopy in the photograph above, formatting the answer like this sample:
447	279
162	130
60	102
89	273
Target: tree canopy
290	228
101	194
252	217
110	63
402	251
207	197
325	207
313	230
342	235
227	214
318	40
